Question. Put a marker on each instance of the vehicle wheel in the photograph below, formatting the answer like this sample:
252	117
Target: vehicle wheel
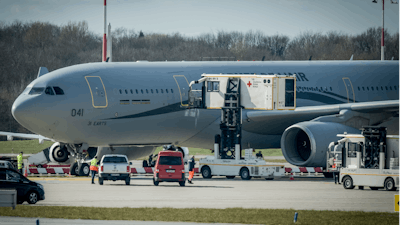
155	182
206	172
100	181
244	174
128	181
374	188
32	197
182	183
269	178
389	184
348	183
84	170
145	164
230	177
73	169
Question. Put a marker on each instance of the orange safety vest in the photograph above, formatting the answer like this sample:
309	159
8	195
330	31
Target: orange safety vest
93	165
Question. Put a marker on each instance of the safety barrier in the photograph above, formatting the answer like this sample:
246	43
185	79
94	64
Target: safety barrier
64	169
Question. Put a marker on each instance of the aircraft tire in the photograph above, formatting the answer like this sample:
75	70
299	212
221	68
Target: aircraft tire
84	170
73	169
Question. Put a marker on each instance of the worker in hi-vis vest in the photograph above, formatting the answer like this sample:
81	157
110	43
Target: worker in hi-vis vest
191	169
93	167
20	162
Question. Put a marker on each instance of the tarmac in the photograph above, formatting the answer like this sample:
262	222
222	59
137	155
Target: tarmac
303	193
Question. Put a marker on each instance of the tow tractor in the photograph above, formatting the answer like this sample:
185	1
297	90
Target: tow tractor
370	159
231	93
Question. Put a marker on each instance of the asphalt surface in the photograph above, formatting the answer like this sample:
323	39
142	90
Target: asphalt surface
304	193
46	221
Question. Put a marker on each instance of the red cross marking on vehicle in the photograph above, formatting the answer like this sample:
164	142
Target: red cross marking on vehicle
249	84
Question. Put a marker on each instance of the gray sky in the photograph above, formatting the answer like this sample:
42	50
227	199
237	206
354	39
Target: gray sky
194	17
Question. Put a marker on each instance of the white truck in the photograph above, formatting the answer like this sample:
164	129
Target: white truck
247	167
114	167
370	159
231	93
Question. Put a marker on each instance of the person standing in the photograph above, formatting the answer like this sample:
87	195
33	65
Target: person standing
93	168
191	169
20	162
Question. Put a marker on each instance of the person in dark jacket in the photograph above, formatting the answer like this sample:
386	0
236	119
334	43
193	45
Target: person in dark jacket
191	169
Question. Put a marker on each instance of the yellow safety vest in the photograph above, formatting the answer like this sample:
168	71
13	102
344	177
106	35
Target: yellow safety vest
93	165
20	161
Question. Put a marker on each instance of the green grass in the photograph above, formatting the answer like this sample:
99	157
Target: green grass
26	146
230	215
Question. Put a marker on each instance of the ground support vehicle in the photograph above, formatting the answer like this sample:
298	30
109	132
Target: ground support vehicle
231	93
27	190
246	167
370	159
169	168
114	167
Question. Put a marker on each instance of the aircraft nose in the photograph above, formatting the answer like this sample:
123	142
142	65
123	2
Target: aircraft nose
21	110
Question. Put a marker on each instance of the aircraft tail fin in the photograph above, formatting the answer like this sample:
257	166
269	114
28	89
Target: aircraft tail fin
42	71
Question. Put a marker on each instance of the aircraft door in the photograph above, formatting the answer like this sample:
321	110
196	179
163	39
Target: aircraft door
349	89
97	91
183	86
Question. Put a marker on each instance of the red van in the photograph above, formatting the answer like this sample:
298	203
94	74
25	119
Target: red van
169	168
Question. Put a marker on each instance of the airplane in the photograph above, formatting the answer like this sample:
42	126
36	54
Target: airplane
133	107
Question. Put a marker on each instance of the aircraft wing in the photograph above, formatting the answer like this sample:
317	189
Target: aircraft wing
275	122
10	136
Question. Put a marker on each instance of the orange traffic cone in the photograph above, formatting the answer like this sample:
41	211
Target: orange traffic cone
26	172
291	176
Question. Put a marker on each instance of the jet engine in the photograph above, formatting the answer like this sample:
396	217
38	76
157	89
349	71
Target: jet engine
305	144
58	153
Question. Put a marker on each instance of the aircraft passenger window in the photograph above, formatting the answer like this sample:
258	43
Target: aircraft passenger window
372	88
131	91
141	90
157	91
386	88
367	88
377	88
172	91
126	91
395	88
120	91
359	88
137	91
58	91
381	88
363	88
36	91
390	87
147	91
331	88
152	91
166	91
49	91
162	92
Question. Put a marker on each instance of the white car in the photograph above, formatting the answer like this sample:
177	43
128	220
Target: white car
114	167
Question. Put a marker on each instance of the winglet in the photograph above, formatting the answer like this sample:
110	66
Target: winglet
42	71
351	58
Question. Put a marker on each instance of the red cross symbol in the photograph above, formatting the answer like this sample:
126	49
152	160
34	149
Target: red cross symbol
249	84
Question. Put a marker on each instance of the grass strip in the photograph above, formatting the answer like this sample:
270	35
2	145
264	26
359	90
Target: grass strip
230	215
26	146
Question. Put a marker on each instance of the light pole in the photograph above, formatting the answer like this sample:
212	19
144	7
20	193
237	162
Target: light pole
383	27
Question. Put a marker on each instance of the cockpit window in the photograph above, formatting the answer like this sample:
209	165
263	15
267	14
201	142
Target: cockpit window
36	90
49	91
58	91
27	90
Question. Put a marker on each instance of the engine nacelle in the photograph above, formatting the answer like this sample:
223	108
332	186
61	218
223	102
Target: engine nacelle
185	153
305	144
58	153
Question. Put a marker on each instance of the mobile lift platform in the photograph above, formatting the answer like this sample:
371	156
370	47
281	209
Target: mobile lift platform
231	93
